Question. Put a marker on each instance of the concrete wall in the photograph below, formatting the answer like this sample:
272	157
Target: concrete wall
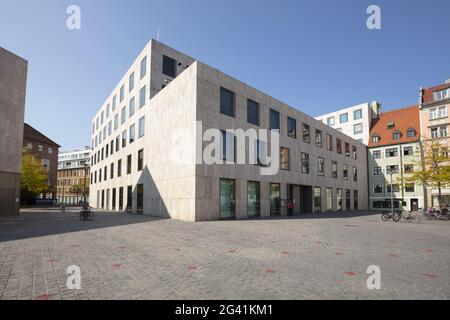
169	188
189	191
207	184
13	78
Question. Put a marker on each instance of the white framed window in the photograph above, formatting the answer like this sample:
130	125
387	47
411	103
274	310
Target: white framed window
40	148
378	188
357	114
441	94
376	138
434	133
443	131
358	128
442	112
29	146
377	171
330	121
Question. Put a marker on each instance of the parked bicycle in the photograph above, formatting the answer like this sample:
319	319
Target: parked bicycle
86	214
396	216
411	216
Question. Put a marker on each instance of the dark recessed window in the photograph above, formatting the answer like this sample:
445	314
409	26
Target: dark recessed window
396	135
252	112
376	138
411	133
284	158
129	164
306	133
274	120
169	67
227	102
292	127
140	160
318	138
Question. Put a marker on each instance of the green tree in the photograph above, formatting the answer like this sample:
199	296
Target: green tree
34	178
434	169
78	190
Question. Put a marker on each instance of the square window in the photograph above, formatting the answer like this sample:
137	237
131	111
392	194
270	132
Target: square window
169	67
227	102
357	114
274	119
142	98
343	118
292	127
358	128
252	112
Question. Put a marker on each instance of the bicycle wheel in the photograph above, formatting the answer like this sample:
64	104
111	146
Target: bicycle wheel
397	217
90	216
385	217
81	216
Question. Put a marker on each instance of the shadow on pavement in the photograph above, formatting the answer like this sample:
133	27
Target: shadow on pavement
37	223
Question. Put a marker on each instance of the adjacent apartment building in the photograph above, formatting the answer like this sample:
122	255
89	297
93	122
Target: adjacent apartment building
73	174
353	121
435	125
394	153
13	80
46	150
158	117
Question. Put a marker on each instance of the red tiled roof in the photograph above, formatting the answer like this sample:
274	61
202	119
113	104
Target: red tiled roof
31	133
403	120
428	92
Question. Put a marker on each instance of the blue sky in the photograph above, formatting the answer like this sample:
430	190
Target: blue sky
317	56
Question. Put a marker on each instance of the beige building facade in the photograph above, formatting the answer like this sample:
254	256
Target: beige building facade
13	80
153	161
435	127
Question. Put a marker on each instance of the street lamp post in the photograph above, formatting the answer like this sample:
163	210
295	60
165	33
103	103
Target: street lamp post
392	194
85	177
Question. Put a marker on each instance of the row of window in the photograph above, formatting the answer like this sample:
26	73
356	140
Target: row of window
344	118
439	132
117	198
438	113
103	173
228	107
40	148
396	135
109	129
227	196
169	68
394	169
441	94
127	136
392	152
379	188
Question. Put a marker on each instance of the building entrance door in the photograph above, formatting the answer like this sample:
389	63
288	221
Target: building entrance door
414	205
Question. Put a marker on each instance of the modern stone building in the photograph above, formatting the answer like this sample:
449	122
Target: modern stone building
150	137
353	121
46	150
73	170
435	125
13	80
395	147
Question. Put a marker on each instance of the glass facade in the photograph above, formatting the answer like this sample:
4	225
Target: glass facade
253	199
317	199
329	199
275	199
227	199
